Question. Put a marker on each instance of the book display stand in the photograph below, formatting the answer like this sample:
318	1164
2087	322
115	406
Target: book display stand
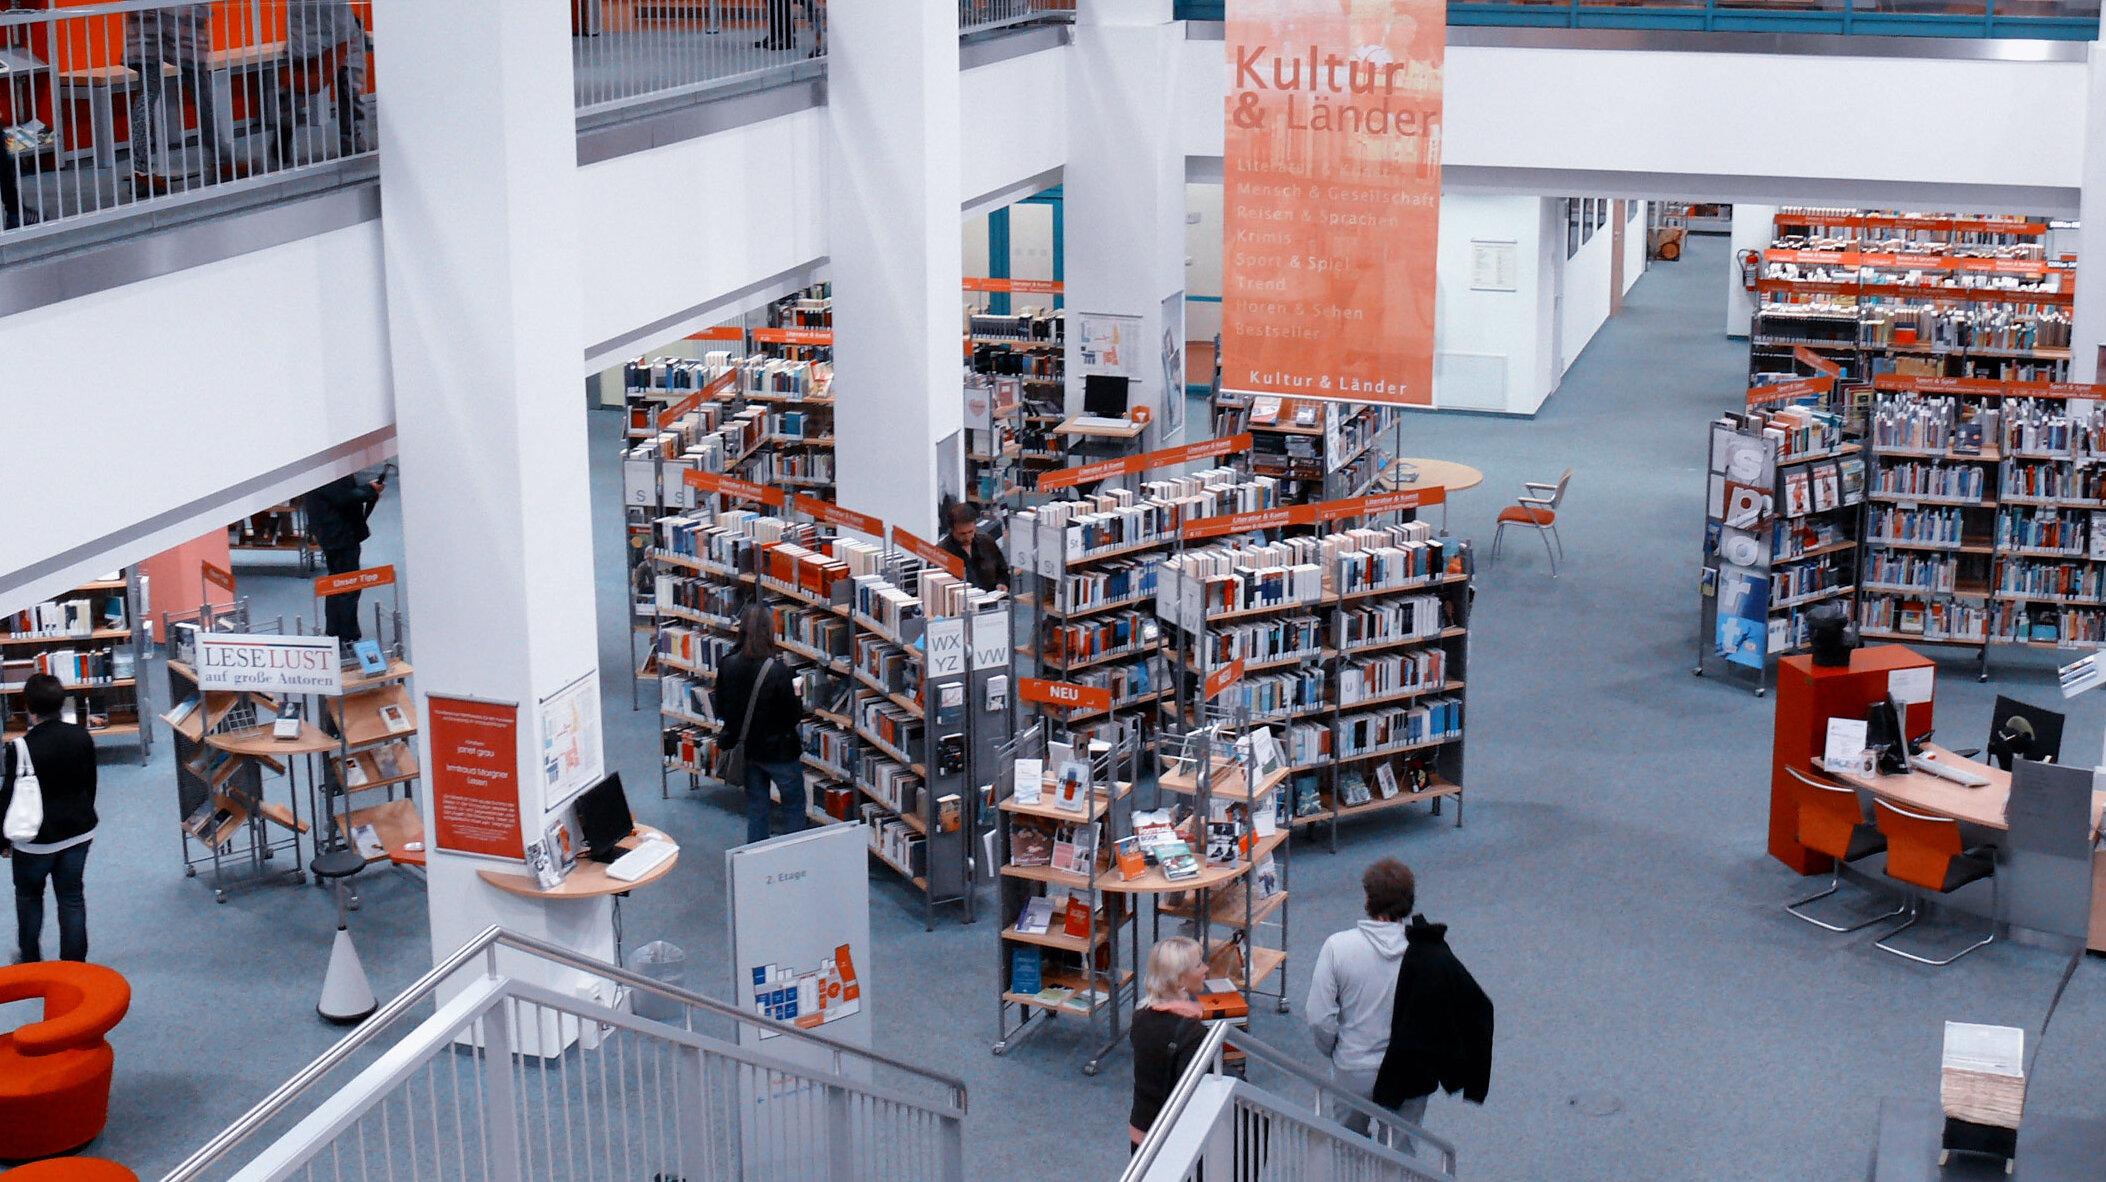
374	724
1919	295
1319	450
1989	496
1785	497
1066	930
904	670
1355	643
89	639
224	746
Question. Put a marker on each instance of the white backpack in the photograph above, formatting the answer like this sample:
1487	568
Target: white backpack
25	813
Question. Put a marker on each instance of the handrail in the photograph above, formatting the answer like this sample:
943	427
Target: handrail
485	944
1203	1059
1278	1060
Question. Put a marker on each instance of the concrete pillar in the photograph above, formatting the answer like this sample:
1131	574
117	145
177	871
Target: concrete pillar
1125	192
1754	227
898	263
478	174
2088	318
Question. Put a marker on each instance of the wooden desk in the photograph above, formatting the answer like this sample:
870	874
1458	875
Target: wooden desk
587	880
1127	430
1808	695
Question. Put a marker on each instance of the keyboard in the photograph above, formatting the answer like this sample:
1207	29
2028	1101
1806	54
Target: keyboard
641	861
1946	771
1099	423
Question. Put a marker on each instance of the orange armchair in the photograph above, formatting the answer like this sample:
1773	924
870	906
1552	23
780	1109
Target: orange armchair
71	1169
55	1074
1926	853
1832	821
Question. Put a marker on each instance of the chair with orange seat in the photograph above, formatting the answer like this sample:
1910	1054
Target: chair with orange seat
1538	512
1832	821
55	1074
1925	852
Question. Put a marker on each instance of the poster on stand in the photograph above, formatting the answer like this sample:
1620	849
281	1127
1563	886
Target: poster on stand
292	665
800	938
1332	198
1172	422
572	759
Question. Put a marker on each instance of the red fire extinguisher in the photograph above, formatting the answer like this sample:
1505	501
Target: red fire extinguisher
1750	267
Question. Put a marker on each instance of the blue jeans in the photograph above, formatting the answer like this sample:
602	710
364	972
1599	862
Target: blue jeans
65	869
787	776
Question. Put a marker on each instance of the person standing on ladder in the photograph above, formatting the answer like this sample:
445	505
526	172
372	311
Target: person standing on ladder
336	519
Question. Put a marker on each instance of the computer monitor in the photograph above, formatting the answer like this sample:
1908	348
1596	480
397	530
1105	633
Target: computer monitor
2018	730
1104	395
1886	732
604	818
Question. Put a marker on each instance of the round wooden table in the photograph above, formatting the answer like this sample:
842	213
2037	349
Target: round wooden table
1448	475
589	880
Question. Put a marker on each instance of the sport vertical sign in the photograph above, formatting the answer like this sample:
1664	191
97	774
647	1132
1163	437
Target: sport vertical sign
1332	208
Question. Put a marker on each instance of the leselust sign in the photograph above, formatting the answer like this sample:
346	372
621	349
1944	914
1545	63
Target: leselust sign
269	664
1332	209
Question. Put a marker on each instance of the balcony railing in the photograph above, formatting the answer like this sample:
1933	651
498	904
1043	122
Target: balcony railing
978	16
110	107
2059	20
667	50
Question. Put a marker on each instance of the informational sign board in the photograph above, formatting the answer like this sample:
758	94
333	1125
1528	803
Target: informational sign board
218	576
1224	677
356	580
1065	694
474	776
2047	851
572	758
1110	344
1332	205
269	664
800	938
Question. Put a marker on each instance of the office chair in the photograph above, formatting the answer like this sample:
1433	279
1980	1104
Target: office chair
2020	730
1832	822
1923	852
1538	512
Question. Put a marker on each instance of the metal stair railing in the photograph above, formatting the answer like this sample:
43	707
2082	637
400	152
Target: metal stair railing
510	1080
1216	1126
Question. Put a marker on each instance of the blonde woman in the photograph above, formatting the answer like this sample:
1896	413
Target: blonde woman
1166	1028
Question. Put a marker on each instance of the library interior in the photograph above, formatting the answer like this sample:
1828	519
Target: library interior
1036	639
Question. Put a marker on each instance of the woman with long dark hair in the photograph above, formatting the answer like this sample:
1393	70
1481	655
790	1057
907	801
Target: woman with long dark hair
757	704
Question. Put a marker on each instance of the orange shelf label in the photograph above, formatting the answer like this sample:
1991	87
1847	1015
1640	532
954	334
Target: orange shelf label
1064	693
217	576
1133	465
357	580
793	336
731	486
1221	679
935	556
828	511
1788	391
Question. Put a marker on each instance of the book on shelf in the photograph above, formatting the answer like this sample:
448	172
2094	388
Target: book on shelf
1054	995
1075	918
355	773
1024	970
1072	792
1036	917
385	759
1308	795
395	719
1177	861
370	660
1224	843
1386	779
366	840
1030	845
1133	863
1030	781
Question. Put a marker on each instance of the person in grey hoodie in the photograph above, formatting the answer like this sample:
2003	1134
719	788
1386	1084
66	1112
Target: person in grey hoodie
1353	993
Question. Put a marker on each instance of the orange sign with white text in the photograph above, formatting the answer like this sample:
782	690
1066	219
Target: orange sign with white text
1332	216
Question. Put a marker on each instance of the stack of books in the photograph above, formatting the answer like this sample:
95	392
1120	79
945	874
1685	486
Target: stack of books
1983	1079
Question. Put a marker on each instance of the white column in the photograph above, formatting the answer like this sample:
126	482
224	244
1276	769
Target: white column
1754	228
898	264
1125	188
478	176
2088	318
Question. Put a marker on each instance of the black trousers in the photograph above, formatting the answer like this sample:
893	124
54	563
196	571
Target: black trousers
782	24
10	196
340	612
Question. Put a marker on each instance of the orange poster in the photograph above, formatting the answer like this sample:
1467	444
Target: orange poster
1332	207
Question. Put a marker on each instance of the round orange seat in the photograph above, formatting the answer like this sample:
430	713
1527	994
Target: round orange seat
72	1169
1523	515
55	1074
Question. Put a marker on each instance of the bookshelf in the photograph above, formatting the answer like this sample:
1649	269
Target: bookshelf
1914	294
1995	489
280	529
1355	643
1019	367
1065	930
1784	519
374	724
856	620
90	639
1318	450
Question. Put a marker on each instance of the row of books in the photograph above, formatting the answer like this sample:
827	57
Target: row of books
686	696
801	467
1098	636
829	744
888	781
887	664
1944	619
2036	427
895	840
1958	482
1934	326
1790	538
1275	695
77	616
1912	422
702	596
1233	580
2052	529
889	723
689	748
2064	627
2051	481
1117	581
2078	582
1806	578
1274	639
1436	719
1911	569
693	649
75	667
814	629
1396	621
1801	430
1120	518
1031	324
1425	668
1819	488
1128	683
1923	526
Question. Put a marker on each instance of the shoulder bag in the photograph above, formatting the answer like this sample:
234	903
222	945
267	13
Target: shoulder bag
25	812
731	761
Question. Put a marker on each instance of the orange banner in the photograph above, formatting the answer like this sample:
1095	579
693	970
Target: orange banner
1017	286
1064	693
1788	391
933	555
1221	679
475	776
357	580
1333	177
793	336
217	576
828	511
1814	361
1146	461
711	482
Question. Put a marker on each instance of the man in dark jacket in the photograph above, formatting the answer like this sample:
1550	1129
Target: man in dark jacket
985	568
336	517
1440	1034
63	758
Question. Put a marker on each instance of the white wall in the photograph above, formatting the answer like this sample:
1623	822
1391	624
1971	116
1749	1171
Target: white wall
1203	261
1585	280
1633	243
1489	345
1013	123
1721	126
674	228
149	414
1752	230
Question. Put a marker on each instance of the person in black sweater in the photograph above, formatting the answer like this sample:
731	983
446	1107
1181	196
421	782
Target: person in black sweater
1440	1034
63	757
774	752
1166	1029
336	519
985	568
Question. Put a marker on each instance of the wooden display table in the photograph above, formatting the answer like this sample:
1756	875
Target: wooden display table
1443	474
588	879
258	743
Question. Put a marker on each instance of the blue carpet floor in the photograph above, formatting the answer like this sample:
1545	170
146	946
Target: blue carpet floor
1660	1018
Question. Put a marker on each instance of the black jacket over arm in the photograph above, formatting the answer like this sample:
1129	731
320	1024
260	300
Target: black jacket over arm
1440	1034
336	513
775	717
64	758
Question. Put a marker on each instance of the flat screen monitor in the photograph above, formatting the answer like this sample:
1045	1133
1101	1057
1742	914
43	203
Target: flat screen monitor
1104	395
604	819
1885	732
